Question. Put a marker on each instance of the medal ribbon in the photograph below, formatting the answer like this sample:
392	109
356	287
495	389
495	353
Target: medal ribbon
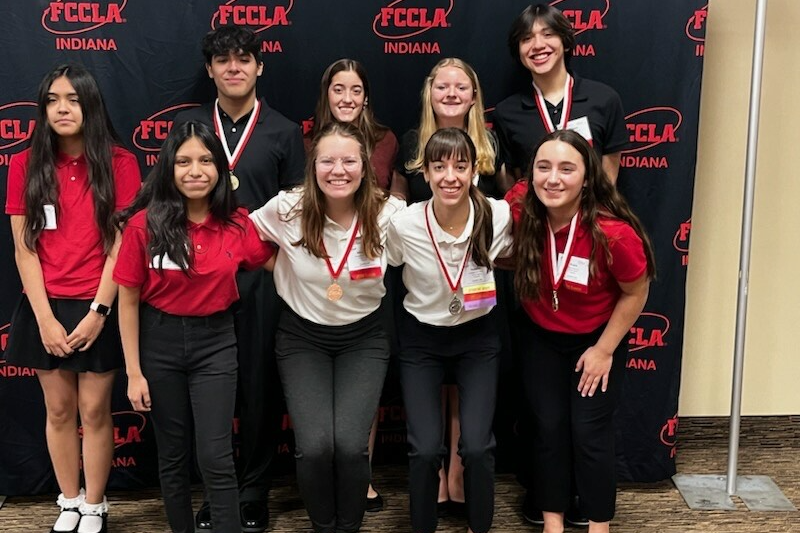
335	273
453	284
559	268
233	159
542	106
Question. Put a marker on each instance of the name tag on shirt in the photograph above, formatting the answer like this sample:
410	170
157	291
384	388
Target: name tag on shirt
164	262
361	266
581	125
50	217
478	287
576	277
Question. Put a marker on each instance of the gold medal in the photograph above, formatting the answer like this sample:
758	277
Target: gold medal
234	181
335	292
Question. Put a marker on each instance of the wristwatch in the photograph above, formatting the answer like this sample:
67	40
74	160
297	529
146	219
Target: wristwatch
100	308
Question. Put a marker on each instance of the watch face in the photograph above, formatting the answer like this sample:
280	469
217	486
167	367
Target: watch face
100	308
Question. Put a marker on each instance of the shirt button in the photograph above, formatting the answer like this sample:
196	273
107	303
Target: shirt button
233	130
72	178
199	247
74	163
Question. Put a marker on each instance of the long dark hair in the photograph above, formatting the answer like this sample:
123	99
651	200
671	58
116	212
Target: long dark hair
369	198
366	122
456	143
599	197
166	207
99	139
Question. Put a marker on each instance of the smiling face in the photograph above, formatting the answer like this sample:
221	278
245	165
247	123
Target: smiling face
558	178
450	179
235	75
338	167
541	51
64	111
195	171
452	96
346	96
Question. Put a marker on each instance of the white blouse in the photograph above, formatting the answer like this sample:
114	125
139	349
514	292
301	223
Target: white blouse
429	294
302	279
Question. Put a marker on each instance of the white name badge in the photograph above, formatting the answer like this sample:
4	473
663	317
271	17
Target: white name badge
164	262
581	125
577	275
478	287
361	266
475	275
50	217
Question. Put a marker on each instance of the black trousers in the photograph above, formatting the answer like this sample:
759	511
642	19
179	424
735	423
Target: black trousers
469	353
570	431
332	379
190	366
259	396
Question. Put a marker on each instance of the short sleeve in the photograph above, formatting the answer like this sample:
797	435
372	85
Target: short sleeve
127	178
516	199
267	220
627	253
502	223
130	269
255	252
15	188
394	245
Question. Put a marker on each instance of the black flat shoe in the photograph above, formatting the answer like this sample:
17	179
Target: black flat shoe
255	516
457	509
93	524
66	518
441	509
529	511
202	520
374	505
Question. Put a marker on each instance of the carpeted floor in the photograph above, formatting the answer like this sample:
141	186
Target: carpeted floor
769	446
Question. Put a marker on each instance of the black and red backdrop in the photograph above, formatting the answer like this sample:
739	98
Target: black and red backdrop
145	55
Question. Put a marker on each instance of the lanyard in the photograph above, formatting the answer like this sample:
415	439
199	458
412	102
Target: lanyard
453	284
542	106
335	290
233	158
559	268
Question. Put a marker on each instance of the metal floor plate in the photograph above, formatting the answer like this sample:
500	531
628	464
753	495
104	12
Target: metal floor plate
708	492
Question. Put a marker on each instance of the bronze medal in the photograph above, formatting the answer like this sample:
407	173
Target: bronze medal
335	292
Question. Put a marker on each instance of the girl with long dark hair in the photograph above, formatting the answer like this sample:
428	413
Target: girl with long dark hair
448	246
331	347
583	270
184	239
62	194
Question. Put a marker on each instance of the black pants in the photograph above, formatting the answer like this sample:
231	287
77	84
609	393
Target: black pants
332	379
570	431
190	366
256	320
469	352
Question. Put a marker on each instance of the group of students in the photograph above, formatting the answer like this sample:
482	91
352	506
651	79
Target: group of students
231	250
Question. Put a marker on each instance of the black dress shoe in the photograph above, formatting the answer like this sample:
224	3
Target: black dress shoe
202	520
441	508
530	512
374	505
574	517
457	509
68	516
255	516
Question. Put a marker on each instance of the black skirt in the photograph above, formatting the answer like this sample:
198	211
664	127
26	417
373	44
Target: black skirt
25	346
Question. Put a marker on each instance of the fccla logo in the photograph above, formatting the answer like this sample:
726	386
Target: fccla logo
681	241
16	125
648	332
401	19
71	18
583	17
648	128
257	16
152	131
669	434
696	30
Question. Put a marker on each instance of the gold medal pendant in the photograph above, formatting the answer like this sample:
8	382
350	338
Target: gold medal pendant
234	181
335	292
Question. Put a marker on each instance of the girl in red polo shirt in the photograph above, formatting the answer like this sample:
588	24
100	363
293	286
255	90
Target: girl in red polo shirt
182	244
583	270
62	193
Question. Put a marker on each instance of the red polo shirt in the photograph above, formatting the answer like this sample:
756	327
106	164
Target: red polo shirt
72	255
583	310
218	250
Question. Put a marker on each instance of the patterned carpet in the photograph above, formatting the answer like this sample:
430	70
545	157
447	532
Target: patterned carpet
769	446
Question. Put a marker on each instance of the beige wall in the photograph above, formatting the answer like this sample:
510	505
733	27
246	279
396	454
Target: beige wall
772	350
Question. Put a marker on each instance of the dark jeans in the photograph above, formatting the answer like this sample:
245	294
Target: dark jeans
570	431
469	352
332	378
190	366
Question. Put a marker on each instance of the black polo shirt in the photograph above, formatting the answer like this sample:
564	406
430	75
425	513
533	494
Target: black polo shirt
273	159
519	126
418	188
